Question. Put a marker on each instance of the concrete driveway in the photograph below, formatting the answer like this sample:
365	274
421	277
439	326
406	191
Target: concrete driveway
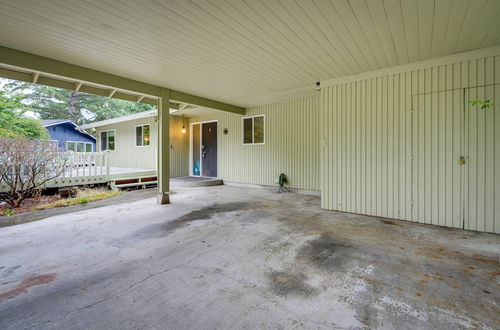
230	257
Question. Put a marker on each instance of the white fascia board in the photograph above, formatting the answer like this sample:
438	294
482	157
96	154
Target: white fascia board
121	119
59	123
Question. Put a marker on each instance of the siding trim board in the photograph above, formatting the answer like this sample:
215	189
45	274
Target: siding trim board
391	143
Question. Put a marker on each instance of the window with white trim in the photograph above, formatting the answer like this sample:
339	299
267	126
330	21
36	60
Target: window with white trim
253	130
142	133
78	146
54	144
108	140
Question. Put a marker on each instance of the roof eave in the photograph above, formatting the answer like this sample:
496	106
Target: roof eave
122	119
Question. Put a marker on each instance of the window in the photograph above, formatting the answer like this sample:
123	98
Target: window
108	140
54	144
253	130
79	146
142	135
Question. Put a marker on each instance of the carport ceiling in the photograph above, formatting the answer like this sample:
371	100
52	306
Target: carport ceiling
246	52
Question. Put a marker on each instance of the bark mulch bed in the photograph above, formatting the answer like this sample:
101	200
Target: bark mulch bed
29	203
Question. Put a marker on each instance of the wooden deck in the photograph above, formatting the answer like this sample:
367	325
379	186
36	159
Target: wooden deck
93	168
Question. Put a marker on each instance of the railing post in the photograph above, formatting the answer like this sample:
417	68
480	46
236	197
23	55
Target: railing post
107	164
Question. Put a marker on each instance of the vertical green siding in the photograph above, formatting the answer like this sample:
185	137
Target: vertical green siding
291	145
127	154
179	151
391	146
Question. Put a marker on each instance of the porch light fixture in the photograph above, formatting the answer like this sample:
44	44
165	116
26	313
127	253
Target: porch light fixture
183	126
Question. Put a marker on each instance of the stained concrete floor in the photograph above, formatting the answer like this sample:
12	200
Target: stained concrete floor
230	257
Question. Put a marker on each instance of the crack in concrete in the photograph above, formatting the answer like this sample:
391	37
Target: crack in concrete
119	294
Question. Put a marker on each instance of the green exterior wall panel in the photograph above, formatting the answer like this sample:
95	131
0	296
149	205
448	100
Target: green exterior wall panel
392	142
291	145
127	154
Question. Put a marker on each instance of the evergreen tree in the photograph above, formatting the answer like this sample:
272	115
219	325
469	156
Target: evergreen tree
57	103
13	124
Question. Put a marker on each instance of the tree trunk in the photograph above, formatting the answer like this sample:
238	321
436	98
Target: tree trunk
14	203
73	108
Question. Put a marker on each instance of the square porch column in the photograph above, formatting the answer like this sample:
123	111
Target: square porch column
163	173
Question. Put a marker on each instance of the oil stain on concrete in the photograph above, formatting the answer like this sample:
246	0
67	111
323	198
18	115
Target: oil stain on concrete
283	283
163	229
208	212
327	252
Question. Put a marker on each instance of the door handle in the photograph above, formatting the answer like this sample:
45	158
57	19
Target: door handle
461	160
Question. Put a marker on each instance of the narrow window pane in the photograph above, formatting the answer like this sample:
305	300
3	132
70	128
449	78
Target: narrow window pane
138	136
79	147
88	147
103	141
196	150
247	130
71	146
258	129
111	140
145	133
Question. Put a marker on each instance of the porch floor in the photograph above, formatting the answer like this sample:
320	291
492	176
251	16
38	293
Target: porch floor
195	181
231	257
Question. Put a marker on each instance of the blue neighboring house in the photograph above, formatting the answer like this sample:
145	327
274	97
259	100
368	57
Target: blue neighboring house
65	134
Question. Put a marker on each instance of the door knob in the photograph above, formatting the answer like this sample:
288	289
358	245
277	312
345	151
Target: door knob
461	160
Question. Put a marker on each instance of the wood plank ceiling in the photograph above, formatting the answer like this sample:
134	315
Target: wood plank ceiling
246	52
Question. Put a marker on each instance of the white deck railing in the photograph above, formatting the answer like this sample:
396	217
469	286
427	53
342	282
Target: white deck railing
80	168
84	167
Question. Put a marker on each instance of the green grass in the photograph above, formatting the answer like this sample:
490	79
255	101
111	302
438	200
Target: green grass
82	196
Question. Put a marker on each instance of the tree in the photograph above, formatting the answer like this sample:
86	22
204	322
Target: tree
26	166
57	103
12	121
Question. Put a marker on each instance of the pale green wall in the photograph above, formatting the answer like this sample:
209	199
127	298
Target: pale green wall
291	145
127	154
392	144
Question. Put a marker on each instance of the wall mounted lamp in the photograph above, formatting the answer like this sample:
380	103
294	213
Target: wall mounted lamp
183	125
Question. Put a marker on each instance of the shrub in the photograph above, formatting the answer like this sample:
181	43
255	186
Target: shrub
26	166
